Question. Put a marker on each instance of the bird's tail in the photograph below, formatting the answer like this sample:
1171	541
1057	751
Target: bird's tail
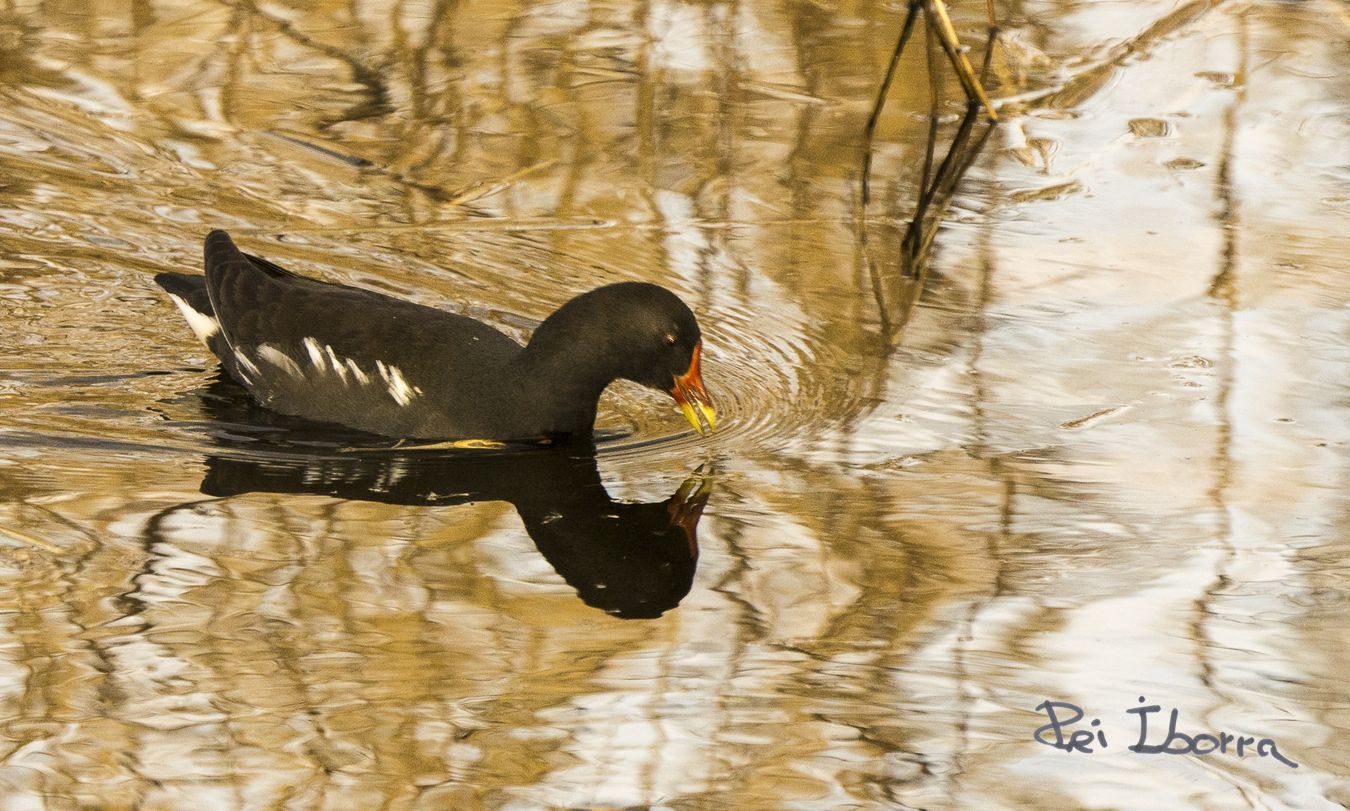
189	293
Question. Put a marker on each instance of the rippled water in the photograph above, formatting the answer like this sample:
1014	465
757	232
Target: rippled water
1097	455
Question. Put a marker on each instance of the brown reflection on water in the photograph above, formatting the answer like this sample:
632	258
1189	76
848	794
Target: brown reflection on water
1104	458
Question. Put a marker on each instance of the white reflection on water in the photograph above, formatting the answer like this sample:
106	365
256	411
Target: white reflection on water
1104	459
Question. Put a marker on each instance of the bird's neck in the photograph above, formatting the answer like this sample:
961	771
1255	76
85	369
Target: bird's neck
563	375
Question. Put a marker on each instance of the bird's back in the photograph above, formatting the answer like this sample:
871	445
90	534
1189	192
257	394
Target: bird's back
342	354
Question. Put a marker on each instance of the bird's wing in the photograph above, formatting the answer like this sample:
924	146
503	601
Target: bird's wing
342	354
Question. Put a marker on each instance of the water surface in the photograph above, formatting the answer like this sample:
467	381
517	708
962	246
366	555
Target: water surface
1098	454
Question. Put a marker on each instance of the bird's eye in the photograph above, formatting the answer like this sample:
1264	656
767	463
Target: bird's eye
671	340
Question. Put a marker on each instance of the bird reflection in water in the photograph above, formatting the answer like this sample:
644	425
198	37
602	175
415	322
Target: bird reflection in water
631	560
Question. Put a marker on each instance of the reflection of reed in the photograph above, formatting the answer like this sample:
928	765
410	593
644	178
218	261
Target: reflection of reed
935	190
1223	291
328	657
937	20
376	101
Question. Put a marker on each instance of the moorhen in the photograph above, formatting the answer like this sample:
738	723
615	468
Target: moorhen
354	357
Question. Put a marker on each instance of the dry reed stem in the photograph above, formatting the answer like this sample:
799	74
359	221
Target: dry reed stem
941	24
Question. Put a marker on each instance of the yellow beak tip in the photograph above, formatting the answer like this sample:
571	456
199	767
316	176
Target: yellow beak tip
697	417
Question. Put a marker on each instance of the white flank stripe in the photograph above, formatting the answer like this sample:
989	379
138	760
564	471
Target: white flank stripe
356	372
315	353
338	366
247	365
201	324
325	358
280	360
399	388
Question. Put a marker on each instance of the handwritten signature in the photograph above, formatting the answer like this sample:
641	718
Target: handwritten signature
1062	715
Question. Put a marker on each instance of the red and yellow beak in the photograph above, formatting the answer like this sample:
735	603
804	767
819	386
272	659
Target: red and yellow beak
688	391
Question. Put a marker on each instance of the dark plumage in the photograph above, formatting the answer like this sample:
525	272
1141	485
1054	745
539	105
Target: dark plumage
365	360
630	559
